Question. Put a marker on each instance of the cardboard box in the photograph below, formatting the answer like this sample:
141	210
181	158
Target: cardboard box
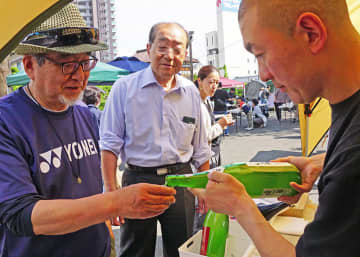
239	244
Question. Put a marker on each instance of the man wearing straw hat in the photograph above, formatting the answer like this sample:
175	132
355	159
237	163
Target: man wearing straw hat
50	179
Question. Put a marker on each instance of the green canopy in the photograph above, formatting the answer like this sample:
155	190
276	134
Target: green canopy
102	74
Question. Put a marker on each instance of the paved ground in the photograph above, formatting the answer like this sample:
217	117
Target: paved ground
260	144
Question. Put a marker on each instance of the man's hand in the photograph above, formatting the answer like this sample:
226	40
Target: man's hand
117	221
200	194
141	201
310	169
225	194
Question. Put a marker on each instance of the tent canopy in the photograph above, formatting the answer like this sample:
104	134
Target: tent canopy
29	14
131	64
252	89
315	121
227	83
102	74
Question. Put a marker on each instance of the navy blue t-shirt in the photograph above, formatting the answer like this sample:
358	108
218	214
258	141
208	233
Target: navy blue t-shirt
41	154
335	228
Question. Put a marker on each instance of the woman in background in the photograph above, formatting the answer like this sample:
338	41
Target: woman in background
207	83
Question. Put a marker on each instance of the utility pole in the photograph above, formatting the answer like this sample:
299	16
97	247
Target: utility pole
191	33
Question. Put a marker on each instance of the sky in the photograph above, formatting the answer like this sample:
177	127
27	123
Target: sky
134	19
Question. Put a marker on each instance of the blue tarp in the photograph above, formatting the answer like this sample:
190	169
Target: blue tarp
132	64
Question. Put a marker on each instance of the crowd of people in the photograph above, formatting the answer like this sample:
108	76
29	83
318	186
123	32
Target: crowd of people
58	184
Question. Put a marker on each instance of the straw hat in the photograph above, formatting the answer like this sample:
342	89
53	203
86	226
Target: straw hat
68	20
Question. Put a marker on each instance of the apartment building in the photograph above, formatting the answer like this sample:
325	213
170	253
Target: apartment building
101	14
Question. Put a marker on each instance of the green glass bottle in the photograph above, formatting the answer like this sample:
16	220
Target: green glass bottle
261	179
214	234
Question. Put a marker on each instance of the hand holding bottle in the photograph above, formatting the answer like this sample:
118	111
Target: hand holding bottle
310	169
225	194
200	194
261	179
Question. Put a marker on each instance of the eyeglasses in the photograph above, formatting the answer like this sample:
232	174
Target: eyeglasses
63	37
72	67
166	50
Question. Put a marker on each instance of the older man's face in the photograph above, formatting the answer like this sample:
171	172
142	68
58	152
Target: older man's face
167	52
282	58
53	88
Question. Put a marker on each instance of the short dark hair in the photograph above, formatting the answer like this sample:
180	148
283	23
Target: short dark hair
284	13
155	27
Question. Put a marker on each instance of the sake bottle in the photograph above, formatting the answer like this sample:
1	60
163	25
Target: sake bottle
214	234
261	179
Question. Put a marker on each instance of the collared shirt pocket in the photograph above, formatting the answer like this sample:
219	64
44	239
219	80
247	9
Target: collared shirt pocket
185	136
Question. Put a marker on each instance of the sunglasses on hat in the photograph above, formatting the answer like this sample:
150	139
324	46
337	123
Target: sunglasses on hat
68	36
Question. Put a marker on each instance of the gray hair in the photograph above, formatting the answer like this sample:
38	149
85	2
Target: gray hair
155	27
40	58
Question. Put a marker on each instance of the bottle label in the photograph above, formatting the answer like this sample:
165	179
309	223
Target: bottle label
264	166
267	164
275	192
204	240
219	169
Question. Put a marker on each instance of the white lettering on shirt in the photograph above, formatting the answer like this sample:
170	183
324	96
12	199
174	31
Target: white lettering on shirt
75	150
92	146
79	153
85	147
68	149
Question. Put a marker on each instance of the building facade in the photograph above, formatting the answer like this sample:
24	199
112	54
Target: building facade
101	14
212	47
225	46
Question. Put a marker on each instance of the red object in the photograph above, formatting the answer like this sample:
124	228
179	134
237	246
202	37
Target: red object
204	240
218	3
